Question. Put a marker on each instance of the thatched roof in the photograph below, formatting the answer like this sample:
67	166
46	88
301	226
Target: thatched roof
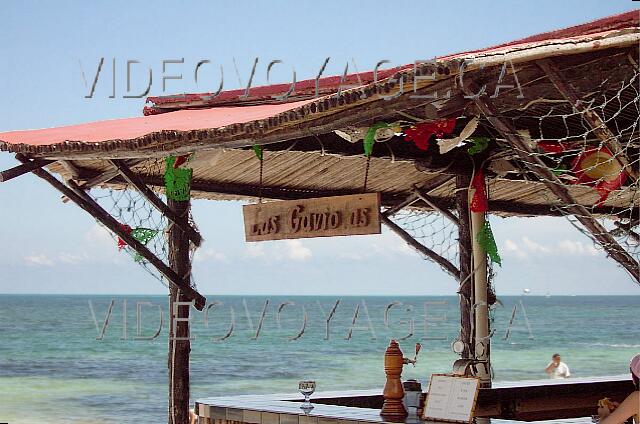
305	157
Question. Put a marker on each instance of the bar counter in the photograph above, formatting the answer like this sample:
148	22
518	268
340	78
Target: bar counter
567	400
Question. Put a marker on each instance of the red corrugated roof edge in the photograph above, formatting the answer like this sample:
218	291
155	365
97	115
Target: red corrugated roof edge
328	85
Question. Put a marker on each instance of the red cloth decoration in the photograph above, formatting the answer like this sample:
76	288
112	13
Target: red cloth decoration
121	243
421	133
598	167
479	202
551	147
180	160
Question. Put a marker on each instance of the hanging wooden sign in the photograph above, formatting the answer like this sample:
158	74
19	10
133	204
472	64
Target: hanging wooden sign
319	217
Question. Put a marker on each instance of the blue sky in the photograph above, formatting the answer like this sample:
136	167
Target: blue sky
51	247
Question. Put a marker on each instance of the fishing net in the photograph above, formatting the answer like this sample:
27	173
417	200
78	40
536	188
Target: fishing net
140	218
433	230
597	164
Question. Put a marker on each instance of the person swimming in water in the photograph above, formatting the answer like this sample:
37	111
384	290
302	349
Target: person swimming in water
619	413
556	368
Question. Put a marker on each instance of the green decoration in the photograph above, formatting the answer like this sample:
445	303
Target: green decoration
177	181
488	243
144	236
562	169
257	149
369	138
479	144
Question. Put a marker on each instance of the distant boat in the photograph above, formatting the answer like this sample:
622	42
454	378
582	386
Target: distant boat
526	291
548	295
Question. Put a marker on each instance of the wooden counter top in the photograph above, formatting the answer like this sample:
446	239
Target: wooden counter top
567	399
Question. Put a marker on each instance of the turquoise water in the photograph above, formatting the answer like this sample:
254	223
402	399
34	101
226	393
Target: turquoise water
53	370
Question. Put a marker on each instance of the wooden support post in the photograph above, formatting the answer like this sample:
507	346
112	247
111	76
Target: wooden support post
444	263
179	343
536	166
22	169
596	123
465	249
135	181
82	199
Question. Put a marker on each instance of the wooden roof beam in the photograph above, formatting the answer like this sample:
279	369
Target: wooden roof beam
536	166
594	121
148	194
76	194
436	205
23	168
413	197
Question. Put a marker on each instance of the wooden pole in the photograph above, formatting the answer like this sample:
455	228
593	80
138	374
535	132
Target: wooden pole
24	168
179	343
465	249
536	166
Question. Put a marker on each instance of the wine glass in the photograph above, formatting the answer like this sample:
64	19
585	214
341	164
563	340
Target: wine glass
307	387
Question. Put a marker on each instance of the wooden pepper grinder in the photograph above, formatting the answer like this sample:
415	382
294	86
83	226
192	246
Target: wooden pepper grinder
393	391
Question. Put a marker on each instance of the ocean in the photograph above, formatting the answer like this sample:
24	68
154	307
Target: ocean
54	370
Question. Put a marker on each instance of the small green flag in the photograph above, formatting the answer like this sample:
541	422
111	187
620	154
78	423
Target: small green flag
479	144
369	138
257	149
488	243
177	181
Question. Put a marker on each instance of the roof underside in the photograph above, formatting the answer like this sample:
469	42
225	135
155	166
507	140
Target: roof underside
304	157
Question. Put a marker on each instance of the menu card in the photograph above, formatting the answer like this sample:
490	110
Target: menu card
451	398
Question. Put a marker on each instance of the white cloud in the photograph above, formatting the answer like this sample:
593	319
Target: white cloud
73	259
39	259
297	251
511	248
99	235
279	250
526	248
577	248
205	254
255	250
534	247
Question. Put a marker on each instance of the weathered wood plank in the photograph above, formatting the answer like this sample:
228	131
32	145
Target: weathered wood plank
22	169
355	214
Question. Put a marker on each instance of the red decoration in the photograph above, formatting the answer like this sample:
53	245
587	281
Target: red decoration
479	202
421	133
180	160
551	147
121	243
599	168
